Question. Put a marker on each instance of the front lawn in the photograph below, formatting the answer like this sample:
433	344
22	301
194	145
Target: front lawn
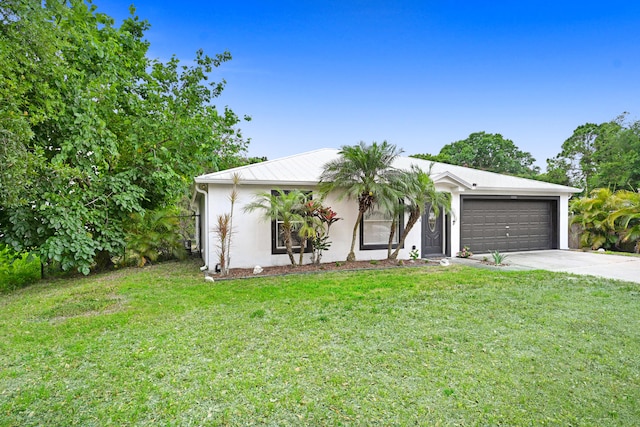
423	346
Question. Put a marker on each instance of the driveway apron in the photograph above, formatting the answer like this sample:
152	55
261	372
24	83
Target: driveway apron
589	263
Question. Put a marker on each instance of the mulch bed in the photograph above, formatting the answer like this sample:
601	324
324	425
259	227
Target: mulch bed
241	273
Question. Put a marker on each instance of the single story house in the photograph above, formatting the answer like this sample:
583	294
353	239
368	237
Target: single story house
490	211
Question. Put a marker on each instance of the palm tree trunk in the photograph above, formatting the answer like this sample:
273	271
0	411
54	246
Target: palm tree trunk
303	244
392	233
352	255
413	218
287	242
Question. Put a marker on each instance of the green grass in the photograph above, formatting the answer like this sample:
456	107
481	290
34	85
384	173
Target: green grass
420	346
631	254
17	270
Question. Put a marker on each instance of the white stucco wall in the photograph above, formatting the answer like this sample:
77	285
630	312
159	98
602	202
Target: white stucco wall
563	221
455	221
251	239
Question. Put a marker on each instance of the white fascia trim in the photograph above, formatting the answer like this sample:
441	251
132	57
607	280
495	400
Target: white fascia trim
520	191
449	178
257	182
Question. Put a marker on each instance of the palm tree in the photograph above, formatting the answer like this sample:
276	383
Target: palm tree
284	206
362	172
419	191
309	225
395	209
153	235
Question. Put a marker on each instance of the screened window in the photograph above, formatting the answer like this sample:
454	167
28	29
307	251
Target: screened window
278	245
279	237
375	228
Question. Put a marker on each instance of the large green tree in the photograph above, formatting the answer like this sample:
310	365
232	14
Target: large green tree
576	163
487	151
619	160
93	130
362	172
599	155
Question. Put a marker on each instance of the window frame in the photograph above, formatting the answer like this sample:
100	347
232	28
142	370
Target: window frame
377	246
275	249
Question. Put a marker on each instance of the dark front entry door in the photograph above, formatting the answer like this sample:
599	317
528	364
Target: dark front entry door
432	233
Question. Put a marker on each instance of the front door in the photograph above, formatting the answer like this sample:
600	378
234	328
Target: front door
432	233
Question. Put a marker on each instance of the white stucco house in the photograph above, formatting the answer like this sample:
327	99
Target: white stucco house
490	212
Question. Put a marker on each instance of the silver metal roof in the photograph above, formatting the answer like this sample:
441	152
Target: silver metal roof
305	169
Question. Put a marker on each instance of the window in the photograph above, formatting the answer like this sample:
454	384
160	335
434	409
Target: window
374	230
278	245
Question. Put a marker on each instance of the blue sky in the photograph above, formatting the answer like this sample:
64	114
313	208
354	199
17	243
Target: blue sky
419	74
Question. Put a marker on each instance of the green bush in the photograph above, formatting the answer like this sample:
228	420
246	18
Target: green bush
17	269
609	220
153	237
498	258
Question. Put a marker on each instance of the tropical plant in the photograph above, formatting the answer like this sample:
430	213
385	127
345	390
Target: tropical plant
465	252
308	227
394	208
625	217
362	172
320	243
222	229
152	236
498	258
233	197
592	214
419	191
325	218
284	206
17	269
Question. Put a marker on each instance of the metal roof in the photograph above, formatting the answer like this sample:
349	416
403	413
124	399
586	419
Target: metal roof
305	169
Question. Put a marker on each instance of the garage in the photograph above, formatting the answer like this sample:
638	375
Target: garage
508	224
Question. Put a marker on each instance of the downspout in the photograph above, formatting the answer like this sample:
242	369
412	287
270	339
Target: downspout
204	246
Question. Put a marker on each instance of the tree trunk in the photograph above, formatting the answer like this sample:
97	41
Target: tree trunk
392	233
352	255
413	218
287	242
303	244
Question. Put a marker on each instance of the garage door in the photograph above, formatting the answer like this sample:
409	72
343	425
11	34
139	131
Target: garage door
508	225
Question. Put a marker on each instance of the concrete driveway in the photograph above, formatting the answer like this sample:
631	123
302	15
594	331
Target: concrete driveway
591	263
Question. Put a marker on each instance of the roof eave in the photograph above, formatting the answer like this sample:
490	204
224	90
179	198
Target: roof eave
448	178
256	182
522	190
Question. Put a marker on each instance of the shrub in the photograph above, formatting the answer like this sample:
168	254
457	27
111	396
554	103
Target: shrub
609	220
152	237
464	253
17	269
498	258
